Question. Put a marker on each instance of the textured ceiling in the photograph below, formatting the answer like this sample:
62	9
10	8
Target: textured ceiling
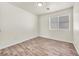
33	8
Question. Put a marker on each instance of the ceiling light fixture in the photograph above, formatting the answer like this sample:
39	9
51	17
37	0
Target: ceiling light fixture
40	4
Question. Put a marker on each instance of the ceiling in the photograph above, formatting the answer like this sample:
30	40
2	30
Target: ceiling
33	8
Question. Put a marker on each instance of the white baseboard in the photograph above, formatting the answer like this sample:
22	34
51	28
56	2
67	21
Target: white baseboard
20	41
54	38
17	42
76	47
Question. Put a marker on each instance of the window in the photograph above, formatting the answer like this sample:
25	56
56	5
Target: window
59	22
64	22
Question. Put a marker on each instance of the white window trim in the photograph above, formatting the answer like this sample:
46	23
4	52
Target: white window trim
58	29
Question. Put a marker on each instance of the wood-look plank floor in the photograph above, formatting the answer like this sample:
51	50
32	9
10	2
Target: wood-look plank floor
40	47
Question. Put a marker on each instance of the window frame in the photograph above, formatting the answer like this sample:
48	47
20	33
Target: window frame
64	29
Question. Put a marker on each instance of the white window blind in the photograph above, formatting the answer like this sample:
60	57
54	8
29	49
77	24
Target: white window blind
59	22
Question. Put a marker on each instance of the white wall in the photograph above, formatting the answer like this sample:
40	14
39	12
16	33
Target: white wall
57	35
76	26
16	25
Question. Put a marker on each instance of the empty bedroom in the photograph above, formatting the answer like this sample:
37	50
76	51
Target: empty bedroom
39	29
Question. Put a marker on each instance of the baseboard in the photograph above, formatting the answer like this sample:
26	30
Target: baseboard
76	47
54	38
20	41
17	42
